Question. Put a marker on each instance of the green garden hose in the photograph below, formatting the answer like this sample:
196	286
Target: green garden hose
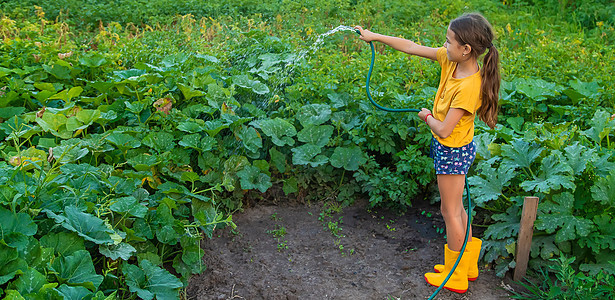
465	241
369	96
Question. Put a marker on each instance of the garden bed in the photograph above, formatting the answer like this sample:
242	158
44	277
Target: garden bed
313	251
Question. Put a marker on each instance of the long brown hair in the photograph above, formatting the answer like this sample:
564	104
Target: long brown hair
473	29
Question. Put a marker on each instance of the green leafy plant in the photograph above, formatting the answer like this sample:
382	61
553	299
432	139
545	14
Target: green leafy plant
566	283
280	231
559	164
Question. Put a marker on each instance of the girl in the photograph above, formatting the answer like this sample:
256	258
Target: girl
465	90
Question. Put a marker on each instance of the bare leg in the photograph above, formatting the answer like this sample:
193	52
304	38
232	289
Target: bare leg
451	205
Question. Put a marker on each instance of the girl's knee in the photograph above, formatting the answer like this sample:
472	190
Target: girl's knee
450	211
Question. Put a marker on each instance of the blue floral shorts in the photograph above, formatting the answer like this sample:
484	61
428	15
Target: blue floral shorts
452	160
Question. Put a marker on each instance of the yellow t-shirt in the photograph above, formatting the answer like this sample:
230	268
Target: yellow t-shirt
461	93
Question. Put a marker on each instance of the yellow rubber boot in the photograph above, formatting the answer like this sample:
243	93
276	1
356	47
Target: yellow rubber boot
473	246
458	282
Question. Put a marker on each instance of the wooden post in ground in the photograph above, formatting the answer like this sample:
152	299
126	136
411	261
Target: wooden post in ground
524	242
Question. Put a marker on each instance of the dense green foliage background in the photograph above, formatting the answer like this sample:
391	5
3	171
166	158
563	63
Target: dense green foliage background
132	129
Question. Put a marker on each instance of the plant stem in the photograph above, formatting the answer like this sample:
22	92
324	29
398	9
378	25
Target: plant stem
531	173
492	209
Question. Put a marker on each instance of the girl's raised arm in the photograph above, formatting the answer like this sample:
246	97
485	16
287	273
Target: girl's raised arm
400	44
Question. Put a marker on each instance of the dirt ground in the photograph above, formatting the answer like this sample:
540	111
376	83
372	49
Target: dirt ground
321	252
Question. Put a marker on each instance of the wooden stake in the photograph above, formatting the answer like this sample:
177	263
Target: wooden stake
526	230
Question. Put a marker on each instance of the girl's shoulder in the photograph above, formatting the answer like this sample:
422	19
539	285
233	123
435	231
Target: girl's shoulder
441	55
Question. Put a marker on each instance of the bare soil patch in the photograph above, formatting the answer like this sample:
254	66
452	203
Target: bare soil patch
356	253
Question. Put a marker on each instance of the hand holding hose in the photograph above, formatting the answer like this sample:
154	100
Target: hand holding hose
424	113
365	34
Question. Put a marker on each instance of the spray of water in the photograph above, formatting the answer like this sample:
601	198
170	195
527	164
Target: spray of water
290	66
316	45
